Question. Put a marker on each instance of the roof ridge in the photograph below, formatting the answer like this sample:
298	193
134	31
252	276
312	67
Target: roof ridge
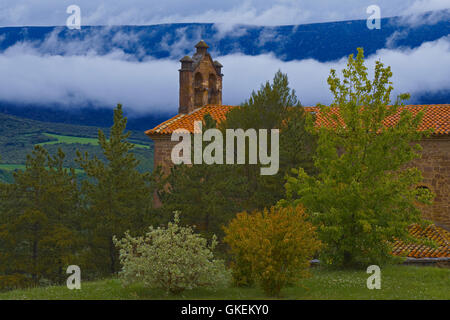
435	117
166	123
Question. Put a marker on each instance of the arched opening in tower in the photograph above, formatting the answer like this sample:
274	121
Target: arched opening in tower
198	87
212	89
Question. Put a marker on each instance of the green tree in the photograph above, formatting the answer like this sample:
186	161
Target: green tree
364	195
39	214
117	196
206	195
209	196
274	106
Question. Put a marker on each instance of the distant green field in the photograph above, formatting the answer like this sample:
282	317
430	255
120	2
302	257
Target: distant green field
12	167
80	140
69	139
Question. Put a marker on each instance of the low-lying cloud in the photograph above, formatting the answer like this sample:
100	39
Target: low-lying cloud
424	69
151	85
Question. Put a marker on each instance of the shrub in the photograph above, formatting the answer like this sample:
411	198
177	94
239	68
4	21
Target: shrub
172	258
14	281
271	247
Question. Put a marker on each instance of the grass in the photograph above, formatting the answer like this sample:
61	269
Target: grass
72	139
397	282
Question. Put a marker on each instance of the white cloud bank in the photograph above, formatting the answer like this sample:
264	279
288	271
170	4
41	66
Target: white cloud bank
27	76
414	70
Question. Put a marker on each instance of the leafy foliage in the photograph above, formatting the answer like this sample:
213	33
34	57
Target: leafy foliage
172	258
364	195
6	176
272	247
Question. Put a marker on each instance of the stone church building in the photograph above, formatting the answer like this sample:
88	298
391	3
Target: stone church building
200	93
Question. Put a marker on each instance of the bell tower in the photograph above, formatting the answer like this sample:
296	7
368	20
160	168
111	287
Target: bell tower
200	80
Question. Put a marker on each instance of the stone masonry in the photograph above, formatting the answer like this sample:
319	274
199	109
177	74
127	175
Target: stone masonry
200	80
435	167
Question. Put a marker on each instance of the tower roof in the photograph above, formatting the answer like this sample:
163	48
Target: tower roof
201	44
186	59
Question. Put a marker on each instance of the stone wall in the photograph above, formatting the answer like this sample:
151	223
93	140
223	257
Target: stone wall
162	157
186	91
162	152
435	167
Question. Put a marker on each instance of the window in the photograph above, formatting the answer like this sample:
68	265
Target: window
422	190
198	80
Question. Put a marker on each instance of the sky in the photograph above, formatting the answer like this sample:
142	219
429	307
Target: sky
258	12
30	75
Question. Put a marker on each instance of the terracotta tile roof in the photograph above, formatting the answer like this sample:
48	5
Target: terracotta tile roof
440	236
186	121
436	117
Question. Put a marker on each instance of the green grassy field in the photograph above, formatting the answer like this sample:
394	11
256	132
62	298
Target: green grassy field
12	167
397	282
68	139
80	140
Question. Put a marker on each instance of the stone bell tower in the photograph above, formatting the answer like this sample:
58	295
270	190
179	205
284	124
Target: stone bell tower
200	80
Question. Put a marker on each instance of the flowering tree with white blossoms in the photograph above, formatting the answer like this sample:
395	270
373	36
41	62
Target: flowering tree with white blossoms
173	258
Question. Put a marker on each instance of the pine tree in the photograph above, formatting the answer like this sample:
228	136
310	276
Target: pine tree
364	195
274	106
210	195
39	234
206	195
118	197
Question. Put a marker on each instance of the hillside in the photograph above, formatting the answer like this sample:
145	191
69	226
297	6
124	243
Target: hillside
321	41
18	136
